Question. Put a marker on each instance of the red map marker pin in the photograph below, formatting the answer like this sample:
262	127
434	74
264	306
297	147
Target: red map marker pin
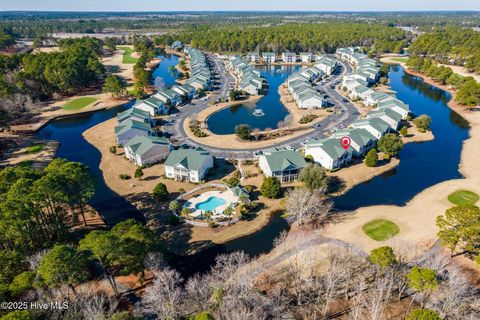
345	142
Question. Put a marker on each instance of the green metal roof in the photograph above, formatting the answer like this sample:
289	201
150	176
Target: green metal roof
240	192
331	146
361	136
132	112
141	144
285	160
132	124
191	159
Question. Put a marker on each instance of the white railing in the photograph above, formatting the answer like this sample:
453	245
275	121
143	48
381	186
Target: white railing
204	223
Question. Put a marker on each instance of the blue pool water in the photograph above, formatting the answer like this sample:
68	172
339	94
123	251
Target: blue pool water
210	204
225	120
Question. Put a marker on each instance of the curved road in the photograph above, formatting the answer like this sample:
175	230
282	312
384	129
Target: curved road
345	114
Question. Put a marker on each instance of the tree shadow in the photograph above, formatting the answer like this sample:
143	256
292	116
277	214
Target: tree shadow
336	185
221	168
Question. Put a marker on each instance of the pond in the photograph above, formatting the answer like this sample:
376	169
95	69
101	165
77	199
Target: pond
422	164
225	120
162	71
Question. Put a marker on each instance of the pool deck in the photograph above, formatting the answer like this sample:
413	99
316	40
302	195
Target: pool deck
226	195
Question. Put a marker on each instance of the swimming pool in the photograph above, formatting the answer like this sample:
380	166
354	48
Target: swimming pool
210	204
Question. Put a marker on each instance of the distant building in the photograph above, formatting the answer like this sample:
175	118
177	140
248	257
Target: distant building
269	57
289	57
326	64
306	57
188	164
253	57
177	46
282	164
143	150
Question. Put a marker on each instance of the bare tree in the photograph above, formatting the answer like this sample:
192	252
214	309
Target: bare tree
377	298
164	296
304	206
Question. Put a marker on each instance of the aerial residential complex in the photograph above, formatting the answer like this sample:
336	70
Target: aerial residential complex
248	79
363	133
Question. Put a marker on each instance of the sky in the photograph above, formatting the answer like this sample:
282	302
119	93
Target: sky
246	5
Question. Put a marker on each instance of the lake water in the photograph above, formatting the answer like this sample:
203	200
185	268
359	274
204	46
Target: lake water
225	120
168	60
422	164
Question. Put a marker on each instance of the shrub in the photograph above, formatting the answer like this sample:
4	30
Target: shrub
113	149
270	188
390	144
309	158
314	177
138	173
232	182
249	188
307	118
160	192
383	256
424	314
404	131
371	158
124	176
423	122
243	131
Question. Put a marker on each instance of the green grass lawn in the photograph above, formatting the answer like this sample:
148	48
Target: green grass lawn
380	230
398	59
35	148
79	103
127	55
463	197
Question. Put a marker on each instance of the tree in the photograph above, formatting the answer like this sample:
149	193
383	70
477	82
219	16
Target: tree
314	177
423	315
138	173
371	158
174	206
115	86
383	257
122	249
205	315
422	279
63	265
460	226
390	144
243	131
232	182
18	315
305	206
165	294
404	131
423	122
22	283
233	94
270	188
160	192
